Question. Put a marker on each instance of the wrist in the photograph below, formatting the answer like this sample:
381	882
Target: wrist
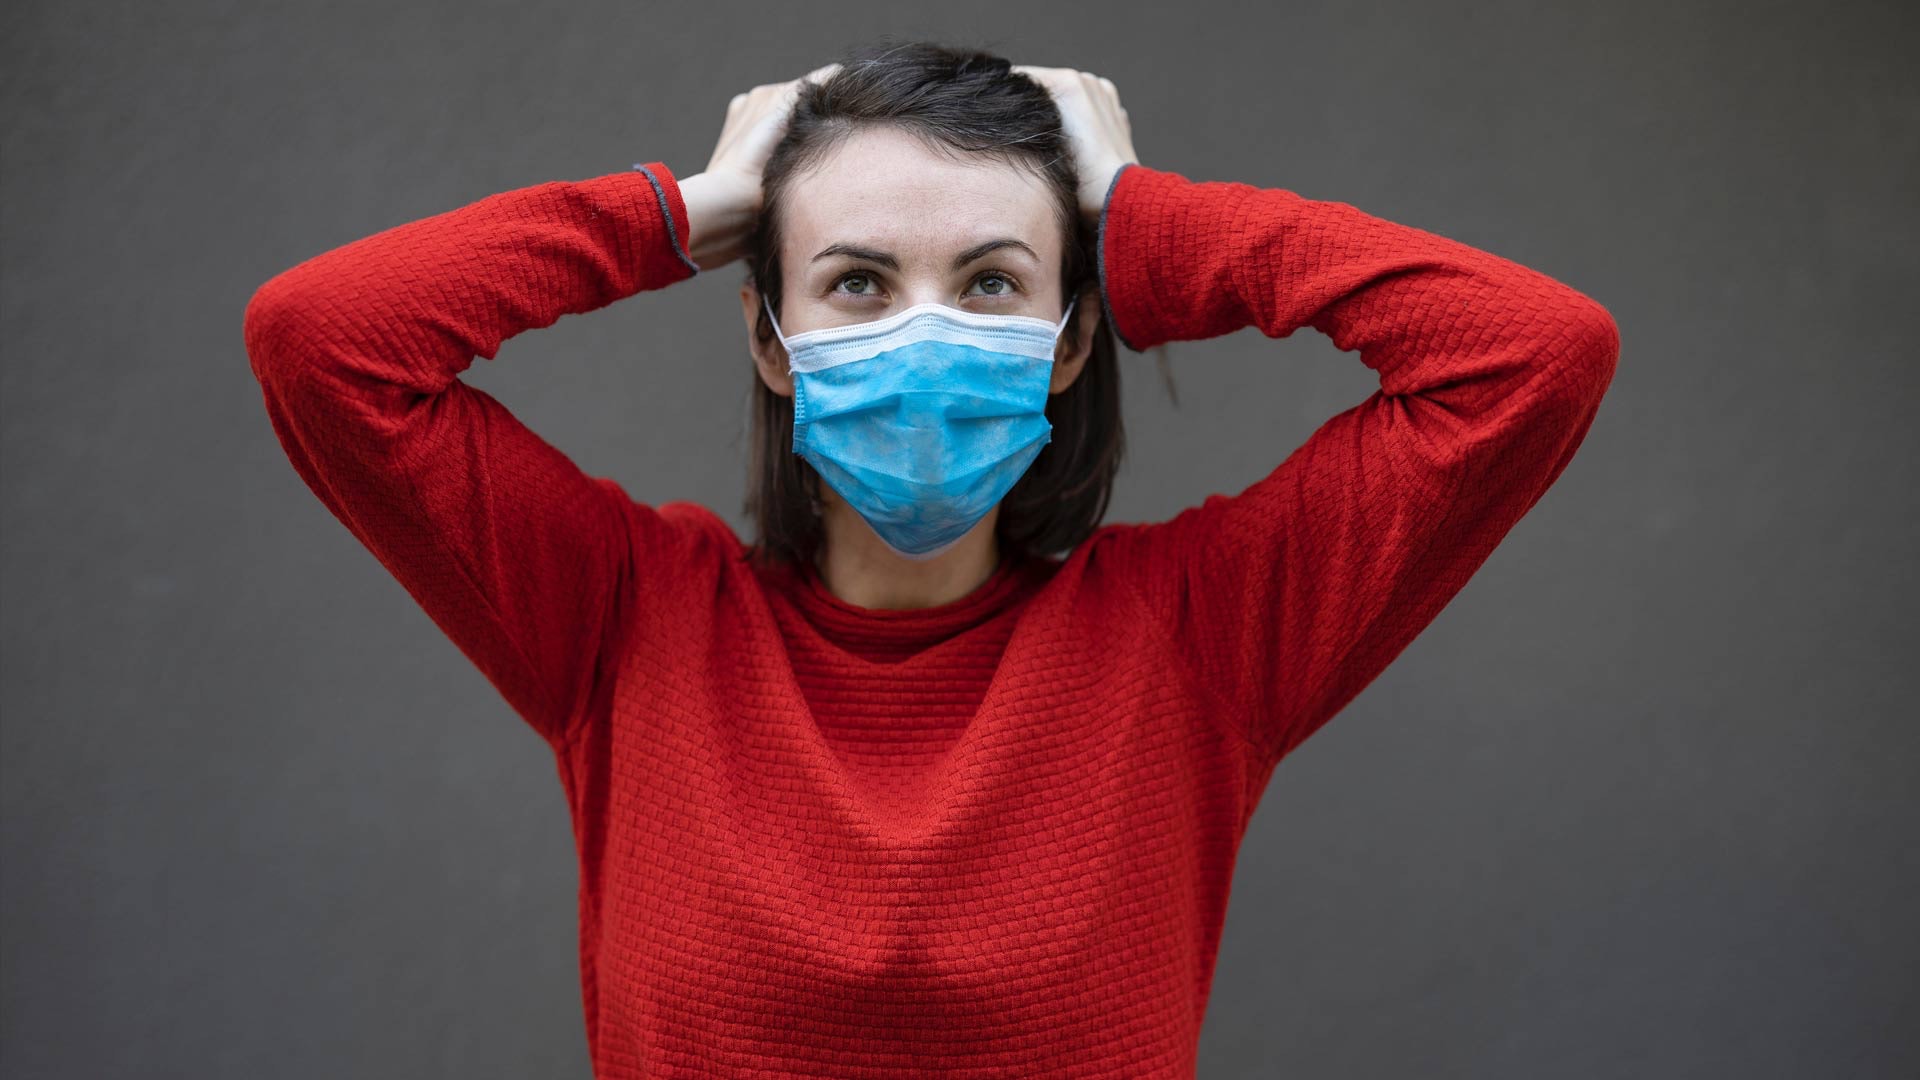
1095	185
721	212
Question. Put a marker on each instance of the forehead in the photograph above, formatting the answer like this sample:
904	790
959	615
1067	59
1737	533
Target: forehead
886	189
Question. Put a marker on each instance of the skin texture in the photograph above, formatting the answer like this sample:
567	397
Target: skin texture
887	191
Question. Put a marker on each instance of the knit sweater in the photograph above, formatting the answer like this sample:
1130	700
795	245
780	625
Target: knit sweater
989	838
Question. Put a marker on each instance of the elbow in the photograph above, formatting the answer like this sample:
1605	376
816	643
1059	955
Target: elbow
1570	371
273	328
1593	352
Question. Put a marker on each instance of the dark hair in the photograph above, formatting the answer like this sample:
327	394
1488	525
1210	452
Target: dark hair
958	101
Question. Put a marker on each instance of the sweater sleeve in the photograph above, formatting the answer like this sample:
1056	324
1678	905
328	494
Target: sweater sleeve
1284	601
516	554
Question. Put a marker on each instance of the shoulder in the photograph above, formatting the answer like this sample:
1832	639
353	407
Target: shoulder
684	538
1096	576
701	525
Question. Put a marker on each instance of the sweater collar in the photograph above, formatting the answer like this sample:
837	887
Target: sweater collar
884	634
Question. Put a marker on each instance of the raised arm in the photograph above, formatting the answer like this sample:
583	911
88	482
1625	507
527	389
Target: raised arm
521	558
1286	600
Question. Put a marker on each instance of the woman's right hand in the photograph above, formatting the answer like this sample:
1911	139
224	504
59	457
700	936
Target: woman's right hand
724	202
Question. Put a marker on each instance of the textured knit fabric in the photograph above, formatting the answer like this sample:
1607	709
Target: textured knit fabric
988	839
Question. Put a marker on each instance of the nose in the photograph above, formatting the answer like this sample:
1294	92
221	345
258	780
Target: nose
927	294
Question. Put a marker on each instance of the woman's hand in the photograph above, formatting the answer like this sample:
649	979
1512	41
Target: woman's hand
724	202
1096	125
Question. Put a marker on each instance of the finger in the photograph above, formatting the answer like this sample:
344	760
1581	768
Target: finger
1046	76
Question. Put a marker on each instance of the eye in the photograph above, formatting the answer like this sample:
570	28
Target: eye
1004	285
863	283
861	276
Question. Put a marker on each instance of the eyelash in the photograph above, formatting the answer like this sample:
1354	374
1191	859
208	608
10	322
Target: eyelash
834	289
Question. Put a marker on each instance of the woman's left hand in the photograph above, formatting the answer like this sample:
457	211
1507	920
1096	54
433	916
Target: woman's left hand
1096	126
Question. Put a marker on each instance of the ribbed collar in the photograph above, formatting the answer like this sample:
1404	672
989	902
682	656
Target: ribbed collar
885	635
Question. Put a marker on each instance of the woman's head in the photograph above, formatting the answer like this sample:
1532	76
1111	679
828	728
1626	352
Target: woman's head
913	174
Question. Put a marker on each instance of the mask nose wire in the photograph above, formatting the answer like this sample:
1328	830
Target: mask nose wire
1057	327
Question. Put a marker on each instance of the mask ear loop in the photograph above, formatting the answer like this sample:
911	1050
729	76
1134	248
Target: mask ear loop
1062	324
813	502
777	333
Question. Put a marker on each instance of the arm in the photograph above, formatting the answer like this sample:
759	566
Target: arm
1286	600
521	558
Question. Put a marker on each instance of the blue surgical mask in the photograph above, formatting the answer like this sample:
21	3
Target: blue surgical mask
923	420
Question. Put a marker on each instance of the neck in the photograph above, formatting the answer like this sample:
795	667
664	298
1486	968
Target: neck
858	569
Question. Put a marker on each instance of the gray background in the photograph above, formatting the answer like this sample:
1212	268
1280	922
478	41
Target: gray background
1639	803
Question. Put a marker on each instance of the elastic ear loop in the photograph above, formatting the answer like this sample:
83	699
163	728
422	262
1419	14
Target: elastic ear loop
776	331
813	502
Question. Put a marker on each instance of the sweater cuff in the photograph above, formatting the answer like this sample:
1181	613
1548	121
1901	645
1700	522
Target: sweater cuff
1165	256
673	210
1100	257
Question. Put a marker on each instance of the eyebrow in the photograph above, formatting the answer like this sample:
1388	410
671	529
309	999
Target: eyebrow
891	263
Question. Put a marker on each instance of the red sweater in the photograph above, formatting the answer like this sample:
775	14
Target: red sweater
992	838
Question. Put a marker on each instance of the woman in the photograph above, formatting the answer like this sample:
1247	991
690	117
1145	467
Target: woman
939	772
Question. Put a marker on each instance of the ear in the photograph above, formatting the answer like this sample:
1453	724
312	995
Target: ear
1068	360
769	356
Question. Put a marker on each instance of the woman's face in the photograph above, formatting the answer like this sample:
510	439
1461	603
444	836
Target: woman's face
883	223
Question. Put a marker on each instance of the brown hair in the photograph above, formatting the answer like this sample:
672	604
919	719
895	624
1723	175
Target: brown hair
958	101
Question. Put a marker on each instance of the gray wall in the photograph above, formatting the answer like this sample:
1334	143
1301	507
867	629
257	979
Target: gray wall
1639	803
